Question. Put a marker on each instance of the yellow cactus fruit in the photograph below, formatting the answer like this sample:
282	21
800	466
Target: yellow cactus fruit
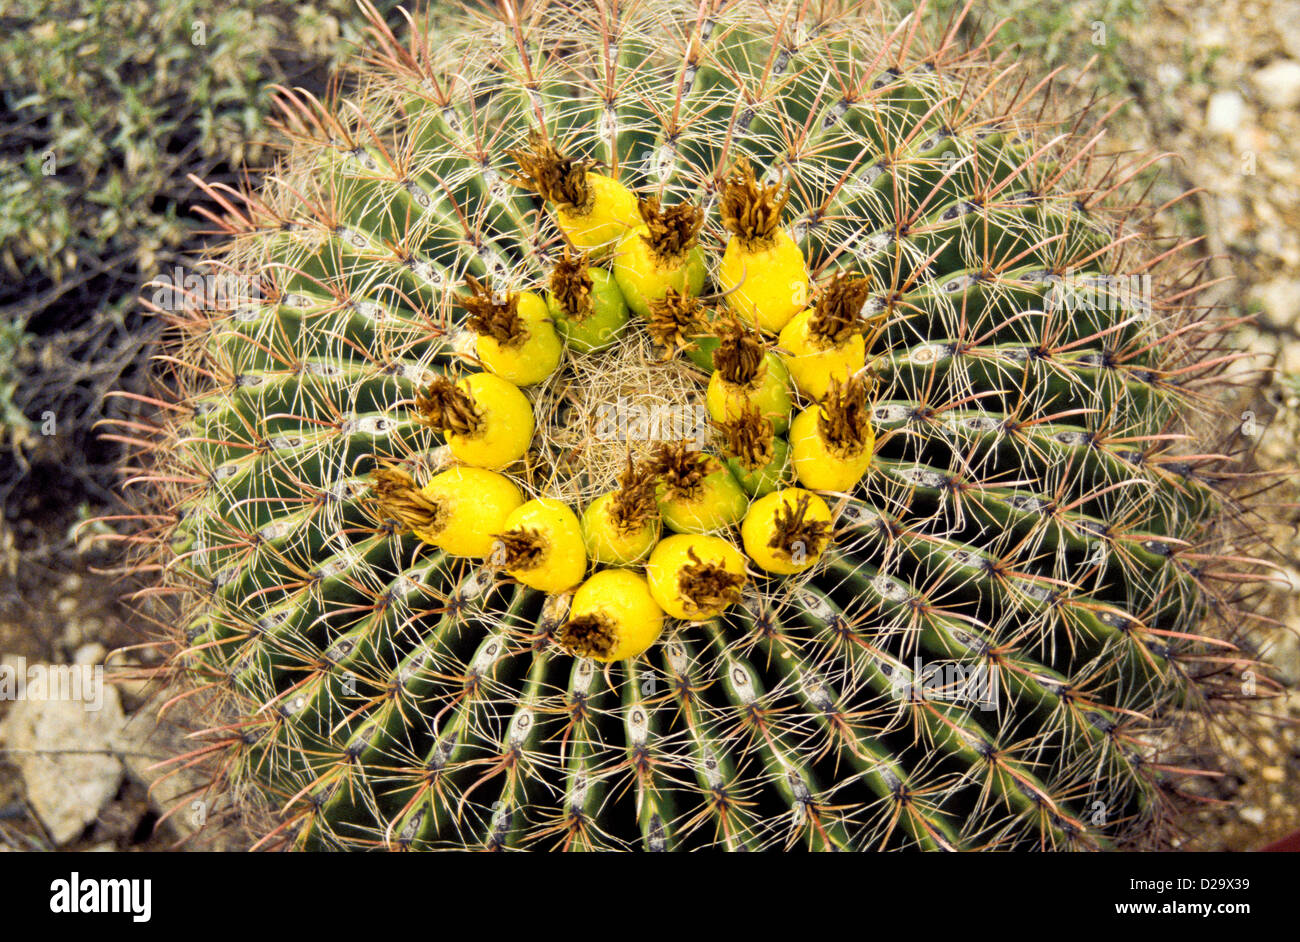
621	527
747	374
695	577
516	337
757	458
696	492
660	254
592	209
826	341
542	546
613	617
787	531
488	421
460	510
762	271
832	443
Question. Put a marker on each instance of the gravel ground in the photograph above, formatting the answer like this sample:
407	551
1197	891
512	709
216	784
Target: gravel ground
1216	84
1220	88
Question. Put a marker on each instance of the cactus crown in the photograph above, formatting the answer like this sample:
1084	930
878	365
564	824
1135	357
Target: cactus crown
1034	528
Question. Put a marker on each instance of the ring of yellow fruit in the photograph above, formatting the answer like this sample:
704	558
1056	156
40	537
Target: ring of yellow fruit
471	510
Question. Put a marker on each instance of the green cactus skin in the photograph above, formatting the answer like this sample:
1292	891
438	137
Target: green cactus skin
1034	511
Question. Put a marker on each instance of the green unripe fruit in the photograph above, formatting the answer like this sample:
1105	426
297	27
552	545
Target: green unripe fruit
701	353
653	258
763	480
602	320
716	502
613	544
770	395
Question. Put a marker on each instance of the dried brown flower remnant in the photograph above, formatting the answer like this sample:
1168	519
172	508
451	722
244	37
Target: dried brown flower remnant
708	586
793	529
571	285
445	406
591	635
681	469
552	175
491	315
750	211
750	438
674	320
673	231
398	498
521	549
844	420
739	356
837	313
633	503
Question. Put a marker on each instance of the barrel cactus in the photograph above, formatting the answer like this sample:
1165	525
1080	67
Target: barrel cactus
692	425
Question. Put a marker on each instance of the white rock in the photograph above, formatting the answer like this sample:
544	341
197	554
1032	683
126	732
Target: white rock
1169	75
1279	83
62	749
1224	113
1280	298
1286	20
145	740
1252	815
1284	653
89	654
